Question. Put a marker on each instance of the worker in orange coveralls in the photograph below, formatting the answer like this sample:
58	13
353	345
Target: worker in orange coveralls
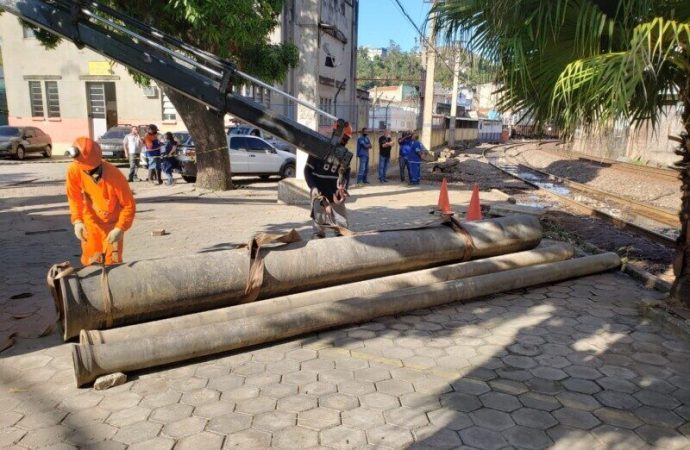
100	202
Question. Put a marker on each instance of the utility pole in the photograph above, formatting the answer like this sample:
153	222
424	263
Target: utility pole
454	98
427	114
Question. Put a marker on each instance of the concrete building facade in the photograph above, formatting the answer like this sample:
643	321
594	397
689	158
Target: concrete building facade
69	92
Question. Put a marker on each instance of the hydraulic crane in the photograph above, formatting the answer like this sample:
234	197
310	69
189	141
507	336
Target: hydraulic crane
191	71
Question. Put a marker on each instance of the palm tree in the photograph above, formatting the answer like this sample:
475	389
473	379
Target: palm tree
581	62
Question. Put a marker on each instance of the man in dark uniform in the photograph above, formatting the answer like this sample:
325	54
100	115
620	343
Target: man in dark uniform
327	182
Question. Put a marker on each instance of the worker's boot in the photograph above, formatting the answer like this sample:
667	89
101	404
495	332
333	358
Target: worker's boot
158	176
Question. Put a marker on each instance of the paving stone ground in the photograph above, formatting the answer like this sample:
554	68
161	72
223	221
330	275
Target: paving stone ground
567	366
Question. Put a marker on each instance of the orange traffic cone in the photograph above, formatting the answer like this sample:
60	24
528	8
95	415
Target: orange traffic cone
474	212
443	201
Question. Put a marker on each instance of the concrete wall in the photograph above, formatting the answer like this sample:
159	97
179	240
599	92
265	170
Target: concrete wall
621	141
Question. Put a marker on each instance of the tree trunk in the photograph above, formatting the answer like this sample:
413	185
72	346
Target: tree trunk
681	264
206	127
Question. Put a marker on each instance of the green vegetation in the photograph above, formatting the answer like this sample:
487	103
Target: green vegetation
588	62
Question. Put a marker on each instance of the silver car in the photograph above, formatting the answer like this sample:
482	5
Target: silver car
19	142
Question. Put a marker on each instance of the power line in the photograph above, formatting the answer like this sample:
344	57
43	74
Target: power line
426	41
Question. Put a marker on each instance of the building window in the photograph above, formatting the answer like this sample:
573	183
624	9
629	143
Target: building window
325	104
36	98
169	111
52	99
28	33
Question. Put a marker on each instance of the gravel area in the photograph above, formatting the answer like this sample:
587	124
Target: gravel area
560	222
655	191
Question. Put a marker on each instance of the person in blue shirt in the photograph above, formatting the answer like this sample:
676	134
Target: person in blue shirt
414	159
405	143
169	162
363	146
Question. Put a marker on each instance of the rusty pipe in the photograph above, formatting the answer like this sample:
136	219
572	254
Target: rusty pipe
545	252
91	361
154	289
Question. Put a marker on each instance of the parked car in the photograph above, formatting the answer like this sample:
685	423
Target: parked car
19	142
249	155
111	141
247	130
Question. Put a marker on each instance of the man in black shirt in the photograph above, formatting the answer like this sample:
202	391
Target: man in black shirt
327	183
385	145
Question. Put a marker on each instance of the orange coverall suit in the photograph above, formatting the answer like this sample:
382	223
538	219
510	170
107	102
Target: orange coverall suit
101	205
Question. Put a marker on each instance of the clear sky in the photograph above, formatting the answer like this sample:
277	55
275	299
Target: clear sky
381	21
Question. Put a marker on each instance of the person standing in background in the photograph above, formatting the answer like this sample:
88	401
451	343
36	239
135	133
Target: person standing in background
363	146
153	154
405	143
385	145
132	146
414	160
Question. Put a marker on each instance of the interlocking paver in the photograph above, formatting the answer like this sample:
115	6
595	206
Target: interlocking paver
618	400
578	401
453	420
460	402
295	437
185	427
356	388
343	437
341	402
128	416
530	438
533	418
248	439
492	419
406	417
388	435
138	432
658	416
279	390
377	400
274	420
617	418
214	409
500	401
319	388
432	437
482	438
362	418
256	405
576	418
318	418
171	413
40	420
297	403
230	423
158	443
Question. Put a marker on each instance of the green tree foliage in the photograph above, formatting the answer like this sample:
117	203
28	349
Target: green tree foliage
405	67
588	62
237	30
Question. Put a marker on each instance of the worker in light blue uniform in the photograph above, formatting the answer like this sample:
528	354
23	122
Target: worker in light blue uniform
405	143
414	160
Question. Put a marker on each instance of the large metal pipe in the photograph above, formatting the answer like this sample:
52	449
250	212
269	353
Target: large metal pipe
91	361
546	252
154	289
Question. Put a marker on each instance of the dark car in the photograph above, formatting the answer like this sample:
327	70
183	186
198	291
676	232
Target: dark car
19	142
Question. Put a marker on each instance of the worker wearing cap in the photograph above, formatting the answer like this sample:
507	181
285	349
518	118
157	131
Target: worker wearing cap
327	181
101	203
